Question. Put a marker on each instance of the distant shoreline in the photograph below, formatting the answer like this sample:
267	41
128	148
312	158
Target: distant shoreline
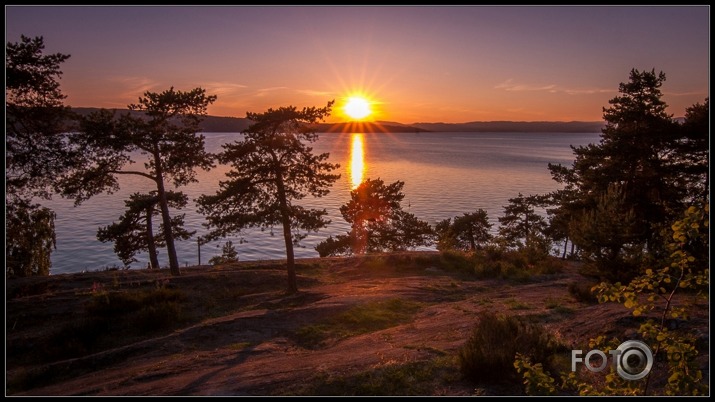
217	124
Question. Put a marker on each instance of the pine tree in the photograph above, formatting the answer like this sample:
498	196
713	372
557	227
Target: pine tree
648	157
164	128
378	222
273	169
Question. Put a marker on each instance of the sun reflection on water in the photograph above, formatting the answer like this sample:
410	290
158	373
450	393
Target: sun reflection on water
357	160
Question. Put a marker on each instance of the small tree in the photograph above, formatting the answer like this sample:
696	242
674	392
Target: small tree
467	232
228	254
378	222
135	230
521	222
273	169
29	239
164	128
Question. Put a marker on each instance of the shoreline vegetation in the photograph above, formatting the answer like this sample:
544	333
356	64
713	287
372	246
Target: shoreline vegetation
221	124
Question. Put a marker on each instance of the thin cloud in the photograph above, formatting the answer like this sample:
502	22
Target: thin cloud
684	93
509	85
263	91
135	86
222	88
312	92
586	91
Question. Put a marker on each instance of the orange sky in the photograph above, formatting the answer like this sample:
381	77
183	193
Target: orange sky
416	64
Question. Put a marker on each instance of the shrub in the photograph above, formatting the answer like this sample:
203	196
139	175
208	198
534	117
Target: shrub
582	292
489	353
456	261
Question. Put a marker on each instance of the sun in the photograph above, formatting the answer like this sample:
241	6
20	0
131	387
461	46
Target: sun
357	108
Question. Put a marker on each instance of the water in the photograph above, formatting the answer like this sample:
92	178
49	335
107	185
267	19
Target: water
445	175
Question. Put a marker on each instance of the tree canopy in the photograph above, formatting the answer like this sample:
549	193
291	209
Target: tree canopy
36	119
378	222
520	224
134	232
467	232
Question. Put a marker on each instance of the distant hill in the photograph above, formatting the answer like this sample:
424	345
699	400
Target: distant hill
516	126
237	124
367	127
210	124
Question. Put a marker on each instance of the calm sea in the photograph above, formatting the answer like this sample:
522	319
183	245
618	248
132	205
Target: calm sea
445	175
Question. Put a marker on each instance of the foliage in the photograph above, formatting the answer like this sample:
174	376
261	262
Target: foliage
605	236
29	239
536	380
273	169
521	222
559	217
36	152
36	120
684	273
582	292
161	126
378	222
228	254
333	246
662	285
489	353
692	155
657	166
467	232
495	262
134	232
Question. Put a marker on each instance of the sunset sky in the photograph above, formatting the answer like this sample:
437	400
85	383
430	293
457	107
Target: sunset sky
414	64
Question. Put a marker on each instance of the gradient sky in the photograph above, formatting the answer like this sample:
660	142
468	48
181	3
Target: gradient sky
419	64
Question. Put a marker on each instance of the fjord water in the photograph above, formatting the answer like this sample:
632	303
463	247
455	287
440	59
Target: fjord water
445	175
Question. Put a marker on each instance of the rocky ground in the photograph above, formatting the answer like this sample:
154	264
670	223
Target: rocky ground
236	332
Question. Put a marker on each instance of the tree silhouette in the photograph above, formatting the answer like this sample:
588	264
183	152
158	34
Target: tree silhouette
135	230
273	169
466	232
378	222
657	166
164	130
228	254
29	239
521	222
36	152
36	120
